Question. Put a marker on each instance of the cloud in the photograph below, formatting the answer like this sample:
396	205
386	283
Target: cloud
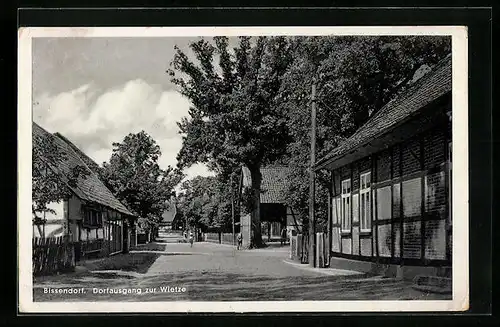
93	120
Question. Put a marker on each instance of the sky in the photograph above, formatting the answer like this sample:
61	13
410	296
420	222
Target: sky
95	91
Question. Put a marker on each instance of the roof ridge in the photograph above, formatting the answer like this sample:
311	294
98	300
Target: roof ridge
412	87
76	149
96	175
53	168
84	163
403	95
99	179
93	174
439	76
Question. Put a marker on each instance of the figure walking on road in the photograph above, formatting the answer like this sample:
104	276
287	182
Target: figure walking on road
240	240
191	238
283	236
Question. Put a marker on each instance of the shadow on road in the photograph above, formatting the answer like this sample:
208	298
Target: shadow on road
220	286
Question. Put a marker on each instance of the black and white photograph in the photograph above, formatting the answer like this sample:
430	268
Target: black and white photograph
310	169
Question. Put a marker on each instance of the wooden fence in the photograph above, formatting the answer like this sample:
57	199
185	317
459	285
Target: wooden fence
52	255
227	238
212	237
224	238
293	247
322	250
299	248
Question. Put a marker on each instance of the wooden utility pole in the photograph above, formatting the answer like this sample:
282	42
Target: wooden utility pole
312	222
232	207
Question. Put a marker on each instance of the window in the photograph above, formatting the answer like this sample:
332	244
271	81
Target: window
336	211
92	218
346	205
365	208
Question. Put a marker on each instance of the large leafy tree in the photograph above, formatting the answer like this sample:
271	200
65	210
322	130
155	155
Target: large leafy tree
49	183
205	203
194	205
355	77
225	202
136	179
234	119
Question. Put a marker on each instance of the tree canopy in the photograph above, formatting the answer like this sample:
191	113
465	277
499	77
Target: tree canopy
355	76
205	203
234	119
136	179
251	104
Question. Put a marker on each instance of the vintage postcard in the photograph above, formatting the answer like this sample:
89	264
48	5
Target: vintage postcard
243	169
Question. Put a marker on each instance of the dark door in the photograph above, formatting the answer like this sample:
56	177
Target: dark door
125	237
78	242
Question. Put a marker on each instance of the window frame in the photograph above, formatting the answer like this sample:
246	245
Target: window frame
365	197
337	210
346	201
92	218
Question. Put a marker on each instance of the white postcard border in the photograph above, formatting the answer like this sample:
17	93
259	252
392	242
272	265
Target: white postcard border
460	209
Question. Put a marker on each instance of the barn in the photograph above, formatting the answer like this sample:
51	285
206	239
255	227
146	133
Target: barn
274	213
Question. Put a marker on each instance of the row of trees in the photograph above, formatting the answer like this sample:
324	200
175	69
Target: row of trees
251	103
205	203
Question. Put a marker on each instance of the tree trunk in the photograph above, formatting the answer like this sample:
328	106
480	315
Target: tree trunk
40	232
256	176
43	226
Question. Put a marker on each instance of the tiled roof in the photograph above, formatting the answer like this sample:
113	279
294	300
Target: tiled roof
88	161
428	88
273	184
90	188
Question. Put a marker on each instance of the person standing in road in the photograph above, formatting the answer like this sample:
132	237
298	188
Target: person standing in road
191	238
283	236
240	240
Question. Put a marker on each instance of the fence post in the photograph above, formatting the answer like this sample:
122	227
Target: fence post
320	250
297	248
317	252
326	249
52	255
